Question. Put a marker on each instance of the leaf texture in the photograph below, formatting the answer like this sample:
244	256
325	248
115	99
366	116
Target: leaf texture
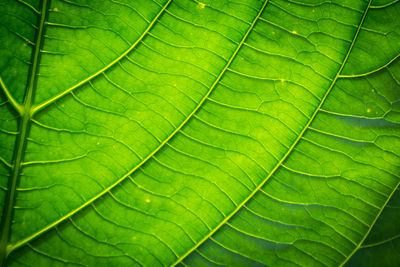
180	132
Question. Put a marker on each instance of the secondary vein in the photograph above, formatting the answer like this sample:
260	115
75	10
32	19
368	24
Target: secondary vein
23	133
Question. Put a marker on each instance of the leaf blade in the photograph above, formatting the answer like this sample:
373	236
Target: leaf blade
218	161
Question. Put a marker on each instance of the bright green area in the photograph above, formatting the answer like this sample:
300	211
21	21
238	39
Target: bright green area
179	132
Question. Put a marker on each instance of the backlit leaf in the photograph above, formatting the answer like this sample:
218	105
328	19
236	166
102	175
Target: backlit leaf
180	132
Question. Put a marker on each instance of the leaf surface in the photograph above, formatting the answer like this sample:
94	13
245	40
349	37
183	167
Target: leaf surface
179	132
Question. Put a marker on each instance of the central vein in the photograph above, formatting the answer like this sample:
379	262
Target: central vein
23	133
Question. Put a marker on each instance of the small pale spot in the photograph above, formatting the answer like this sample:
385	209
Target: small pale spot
148	200
55	9
202	5
133	237
294	32
98	143
368	110
273	33
313	11
373	90
282	80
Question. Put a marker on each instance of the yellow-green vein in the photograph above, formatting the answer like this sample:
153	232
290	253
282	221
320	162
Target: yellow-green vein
372	71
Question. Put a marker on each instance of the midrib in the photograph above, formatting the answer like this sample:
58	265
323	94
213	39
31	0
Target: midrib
23	133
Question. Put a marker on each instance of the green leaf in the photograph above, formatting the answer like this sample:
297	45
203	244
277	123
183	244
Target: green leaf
180	132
